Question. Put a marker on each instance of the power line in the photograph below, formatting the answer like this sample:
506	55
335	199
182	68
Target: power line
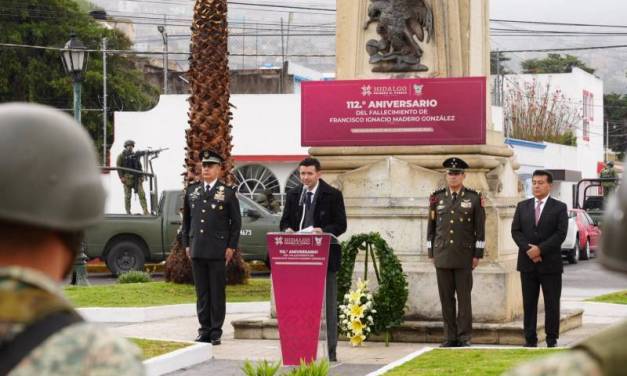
567	49
557	23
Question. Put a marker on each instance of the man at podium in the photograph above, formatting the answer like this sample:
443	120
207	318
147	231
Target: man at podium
315	206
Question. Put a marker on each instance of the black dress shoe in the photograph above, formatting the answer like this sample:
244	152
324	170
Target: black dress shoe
203	338
531	344
551	343
449	344
463	344
216	342
332	357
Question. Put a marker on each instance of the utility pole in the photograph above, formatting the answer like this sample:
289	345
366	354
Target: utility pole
607	138
282	59
104	101
244	42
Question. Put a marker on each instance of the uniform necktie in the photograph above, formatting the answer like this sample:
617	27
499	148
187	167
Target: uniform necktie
538	211
454	196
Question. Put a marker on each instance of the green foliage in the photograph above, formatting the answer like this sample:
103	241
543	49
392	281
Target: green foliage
264	368
496	63
37	75
471	362
159	293
390	298
152	348
134	276
619	297
311	369
554	63
615	111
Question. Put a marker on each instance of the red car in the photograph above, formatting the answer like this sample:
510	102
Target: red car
583	237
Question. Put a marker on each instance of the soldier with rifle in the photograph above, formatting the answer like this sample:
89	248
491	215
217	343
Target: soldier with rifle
132	175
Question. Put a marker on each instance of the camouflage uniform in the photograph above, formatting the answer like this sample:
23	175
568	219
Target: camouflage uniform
128	181
608	172
26	296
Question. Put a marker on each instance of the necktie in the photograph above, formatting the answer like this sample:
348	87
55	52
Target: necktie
538	211
308	219
454	196
207	188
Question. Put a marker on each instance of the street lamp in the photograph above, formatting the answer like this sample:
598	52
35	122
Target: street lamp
74	57
164	36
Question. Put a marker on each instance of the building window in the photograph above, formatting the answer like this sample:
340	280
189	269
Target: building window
293	180
587	114
254	180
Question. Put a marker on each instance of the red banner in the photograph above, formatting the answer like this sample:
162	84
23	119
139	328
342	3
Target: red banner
423	111
299	269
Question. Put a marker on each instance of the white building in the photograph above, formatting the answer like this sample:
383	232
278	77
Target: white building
584	92
266	143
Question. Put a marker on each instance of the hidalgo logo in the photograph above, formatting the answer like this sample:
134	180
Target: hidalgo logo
278	240
418	89
318	241
366	90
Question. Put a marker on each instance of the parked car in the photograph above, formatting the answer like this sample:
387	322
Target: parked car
582	240
126	242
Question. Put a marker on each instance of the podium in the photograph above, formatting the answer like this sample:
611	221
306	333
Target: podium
299	268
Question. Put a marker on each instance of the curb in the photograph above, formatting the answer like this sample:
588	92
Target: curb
155	313
400	361
181	358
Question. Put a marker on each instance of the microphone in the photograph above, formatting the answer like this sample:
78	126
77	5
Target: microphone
301	200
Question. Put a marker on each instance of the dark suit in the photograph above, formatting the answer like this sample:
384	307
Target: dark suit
548	235
328	214
456	235
211	224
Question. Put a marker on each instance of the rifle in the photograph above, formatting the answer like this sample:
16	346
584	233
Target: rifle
148	152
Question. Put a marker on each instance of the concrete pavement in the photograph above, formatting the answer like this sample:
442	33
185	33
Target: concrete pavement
581	281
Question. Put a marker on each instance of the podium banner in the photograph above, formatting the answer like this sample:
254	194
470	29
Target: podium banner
299	269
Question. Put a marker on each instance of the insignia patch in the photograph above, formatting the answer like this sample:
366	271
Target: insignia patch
440	207
195	194
466	204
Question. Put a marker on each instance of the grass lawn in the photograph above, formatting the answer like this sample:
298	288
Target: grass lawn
615	298
152	348
467	362
159	293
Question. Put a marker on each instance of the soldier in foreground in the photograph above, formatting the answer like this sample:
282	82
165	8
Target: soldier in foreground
456	239
131	181
603	353
42	218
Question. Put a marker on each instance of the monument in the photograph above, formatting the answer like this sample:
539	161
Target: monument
386	188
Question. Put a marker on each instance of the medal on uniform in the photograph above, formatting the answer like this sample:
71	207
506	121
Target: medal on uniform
466	204
213	206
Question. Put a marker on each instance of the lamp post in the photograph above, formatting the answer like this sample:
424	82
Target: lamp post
74	57
164	36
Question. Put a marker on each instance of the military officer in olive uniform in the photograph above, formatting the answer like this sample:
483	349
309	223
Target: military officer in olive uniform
131	181
210	234
455	243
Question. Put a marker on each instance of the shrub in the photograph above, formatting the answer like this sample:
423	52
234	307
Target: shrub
264	368
134	277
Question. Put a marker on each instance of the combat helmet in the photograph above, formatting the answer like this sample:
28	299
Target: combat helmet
613	253
129	143
48	169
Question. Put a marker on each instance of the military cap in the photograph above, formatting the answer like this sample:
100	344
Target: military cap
455	164
129	143
209	157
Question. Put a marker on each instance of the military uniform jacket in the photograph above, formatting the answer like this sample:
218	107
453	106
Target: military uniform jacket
211	220
456	229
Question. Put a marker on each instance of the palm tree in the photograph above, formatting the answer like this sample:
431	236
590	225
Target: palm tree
209	115
209	118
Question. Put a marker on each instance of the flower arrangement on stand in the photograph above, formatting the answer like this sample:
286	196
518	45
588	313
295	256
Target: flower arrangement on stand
356	314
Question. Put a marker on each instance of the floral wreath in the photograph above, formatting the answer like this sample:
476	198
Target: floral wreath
388	302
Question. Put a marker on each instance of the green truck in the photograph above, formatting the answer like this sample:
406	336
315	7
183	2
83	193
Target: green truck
127	242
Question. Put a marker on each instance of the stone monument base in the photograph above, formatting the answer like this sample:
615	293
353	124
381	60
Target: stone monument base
508	333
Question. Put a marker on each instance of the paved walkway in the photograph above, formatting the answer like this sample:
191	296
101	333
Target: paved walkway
580	282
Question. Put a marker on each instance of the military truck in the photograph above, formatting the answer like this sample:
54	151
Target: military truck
126	242
588	196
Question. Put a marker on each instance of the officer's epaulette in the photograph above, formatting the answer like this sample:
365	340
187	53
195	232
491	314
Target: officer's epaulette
472	190
433	199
